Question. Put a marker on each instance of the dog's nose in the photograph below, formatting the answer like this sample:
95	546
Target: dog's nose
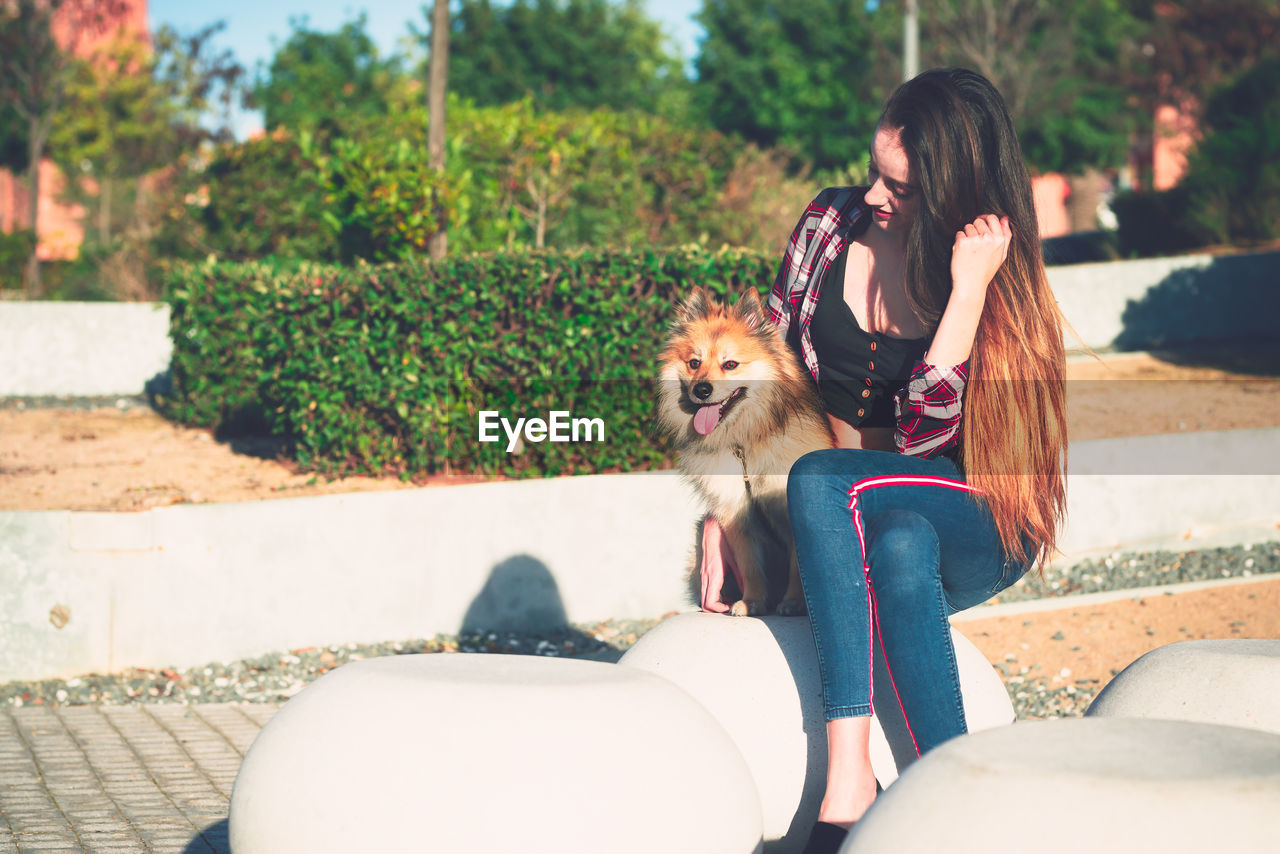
702	390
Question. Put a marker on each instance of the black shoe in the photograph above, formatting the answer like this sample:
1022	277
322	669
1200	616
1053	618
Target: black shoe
825	838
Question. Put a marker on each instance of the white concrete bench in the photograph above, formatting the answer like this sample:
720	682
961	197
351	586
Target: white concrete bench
493	753
759	678
1085	784
1234	681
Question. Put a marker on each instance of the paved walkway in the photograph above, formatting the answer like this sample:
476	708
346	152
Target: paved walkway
117	779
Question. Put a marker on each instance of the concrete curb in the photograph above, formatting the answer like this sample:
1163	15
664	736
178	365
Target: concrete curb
82	349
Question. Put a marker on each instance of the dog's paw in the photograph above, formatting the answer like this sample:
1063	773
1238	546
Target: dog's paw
791	608
747	608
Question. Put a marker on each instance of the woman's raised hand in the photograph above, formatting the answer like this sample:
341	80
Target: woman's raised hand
978	252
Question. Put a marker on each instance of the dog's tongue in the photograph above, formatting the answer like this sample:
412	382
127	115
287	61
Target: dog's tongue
706	418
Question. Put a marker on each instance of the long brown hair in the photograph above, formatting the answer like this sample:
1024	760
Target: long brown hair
965	157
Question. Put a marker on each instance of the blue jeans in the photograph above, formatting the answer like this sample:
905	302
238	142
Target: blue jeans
892	544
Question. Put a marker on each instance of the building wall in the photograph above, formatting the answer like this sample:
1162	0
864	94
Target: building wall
1175	133
1049	193
13	201
60	225
131	20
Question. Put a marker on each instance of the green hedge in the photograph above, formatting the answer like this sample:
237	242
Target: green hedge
1156	223
385	369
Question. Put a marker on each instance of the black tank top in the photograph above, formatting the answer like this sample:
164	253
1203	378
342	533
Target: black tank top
859	372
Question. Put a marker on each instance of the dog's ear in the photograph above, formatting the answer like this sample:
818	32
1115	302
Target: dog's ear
749	309
696	306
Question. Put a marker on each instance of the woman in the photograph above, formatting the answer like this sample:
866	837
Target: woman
921	308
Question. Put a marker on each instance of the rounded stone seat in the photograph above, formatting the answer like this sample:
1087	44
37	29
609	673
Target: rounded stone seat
1233	681
493	753
1062	786
759	678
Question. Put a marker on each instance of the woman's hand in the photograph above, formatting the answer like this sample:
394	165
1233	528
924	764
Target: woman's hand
717	556
977	254
979	250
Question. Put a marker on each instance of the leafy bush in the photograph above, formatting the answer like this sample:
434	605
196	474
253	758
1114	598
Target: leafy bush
1155	223
15	249
385	369
515	177
537	179
760	199
383	201
264	197
81	279
678	174
1233	176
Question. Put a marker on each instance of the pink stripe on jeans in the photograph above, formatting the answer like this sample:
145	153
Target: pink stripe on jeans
866	575
894	682
873	612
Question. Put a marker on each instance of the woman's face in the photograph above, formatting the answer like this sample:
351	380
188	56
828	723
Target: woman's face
894	197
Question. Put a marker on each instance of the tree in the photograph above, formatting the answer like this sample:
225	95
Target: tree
135	112
1233	176
438	80
323	79
1193	47
13	140
1061	67
808	76
202	82
118	123
563	53
34	70
137	104
1189	48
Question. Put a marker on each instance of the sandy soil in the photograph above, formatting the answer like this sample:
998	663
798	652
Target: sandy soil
132	459
1081	647
1142	394
1090	644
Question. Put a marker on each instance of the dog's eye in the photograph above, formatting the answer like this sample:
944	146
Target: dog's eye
729	365
694	364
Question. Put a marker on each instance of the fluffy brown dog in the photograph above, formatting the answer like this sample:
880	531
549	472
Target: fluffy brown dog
741	410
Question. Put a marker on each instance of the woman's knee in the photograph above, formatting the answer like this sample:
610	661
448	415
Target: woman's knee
841	467
902	553
819	462
810	477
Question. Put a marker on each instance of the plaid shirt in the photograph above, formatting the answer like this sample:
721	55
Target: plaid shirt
929	406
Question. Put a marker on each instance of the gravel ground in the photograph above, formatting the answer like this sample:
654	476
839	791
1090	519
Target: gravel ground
77	404
1035	699
279	675
1126	571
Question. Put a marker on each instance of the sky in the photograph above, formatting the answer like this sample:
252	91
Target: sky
253	29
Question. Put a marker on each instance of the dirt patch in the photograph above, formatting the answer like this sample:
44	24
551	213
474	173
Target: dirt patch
1084	646
1218	388
132	459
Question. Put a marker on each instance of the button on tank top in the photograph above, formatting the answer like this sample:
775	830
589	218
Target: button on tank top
859	372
